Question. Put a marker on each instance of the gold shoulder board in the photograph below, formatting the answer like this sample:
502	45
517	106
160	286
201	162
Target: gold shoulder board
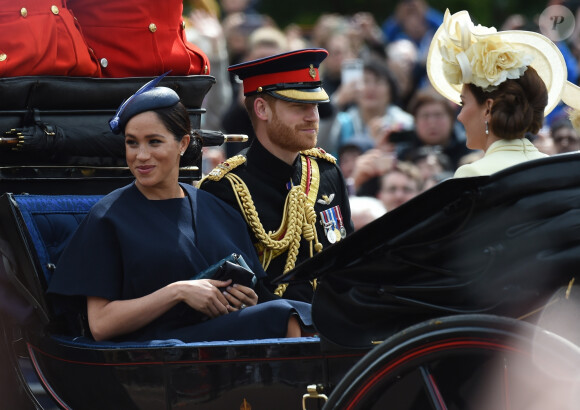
222	169
319	153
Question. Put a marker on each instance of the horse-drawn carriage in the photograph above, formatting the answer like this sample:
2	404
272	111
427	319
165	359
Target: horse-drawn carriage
461	298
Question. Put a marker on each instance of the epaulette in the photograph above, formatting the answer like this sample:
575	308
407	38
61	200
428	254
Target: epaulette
319	153
228	165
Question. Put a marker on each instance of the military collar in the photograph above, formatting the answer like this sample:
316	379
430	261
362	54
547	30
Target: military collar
261	160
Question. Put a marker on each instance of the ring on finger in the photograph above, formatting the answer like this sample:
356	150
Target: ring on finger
242	306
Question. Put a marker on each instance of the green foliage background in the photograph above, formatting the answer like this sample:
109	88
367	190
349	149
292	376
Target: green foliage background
486	12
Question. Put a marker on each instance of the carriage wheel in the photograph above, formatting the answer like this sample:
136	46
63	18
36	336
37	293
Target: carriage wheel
465	362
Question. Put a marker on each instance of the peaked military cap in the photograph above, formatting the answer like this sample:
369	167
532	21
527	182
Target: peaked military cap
148	97
291	76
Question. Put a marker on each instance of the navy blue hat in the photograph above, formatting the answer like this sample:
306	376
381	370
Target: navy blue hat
291	76
148	97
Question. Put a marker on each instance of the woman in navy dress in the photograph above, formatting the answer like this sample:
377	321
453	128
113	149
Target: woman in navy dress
133	257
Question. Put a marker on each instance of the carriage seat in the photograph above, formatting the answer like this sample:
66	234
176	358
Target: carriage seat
50	222
40	227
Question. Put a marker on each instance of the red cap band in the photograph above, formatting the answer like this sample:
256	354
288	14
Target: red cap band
304	75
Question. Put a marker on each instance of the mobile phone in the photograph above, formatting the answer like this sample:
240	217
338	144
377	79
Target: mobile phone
402	136
351	70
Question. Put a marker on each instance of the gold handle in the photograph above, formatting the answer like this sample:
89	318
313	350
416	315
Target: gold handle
314	392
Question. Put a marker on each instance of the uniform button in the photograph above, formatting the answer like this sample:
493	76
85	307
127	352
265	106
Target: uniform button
183	25
23	12
205	69
3	57
54	9
152	27
104	62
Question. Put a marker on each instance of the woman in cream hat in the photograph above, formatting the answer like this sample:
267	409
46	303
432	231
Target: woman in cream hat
506	82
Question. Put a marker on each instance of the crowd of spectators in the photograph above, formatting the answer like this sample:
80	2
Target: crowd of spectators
393	135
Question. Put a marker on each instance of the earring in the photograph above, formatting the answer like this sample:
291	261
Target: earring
181	153
486	128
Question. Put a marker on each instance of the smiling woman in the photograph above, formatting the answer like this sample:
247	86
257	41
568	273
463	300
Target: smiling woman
143	245
153	154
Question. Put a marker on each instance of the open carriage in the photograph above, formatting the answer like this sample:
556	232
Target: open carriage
422	308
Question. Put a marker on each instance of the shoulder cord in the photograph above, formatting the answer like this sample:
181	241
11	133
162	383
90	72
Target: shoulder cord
298	219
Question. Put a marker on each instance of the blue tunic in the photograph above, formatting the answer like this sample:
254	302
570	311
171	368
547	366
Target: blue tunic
128	247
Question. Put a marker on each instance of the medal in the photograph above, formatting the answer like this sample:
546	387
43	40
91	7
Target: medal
331	236
340	221
337	234
330	231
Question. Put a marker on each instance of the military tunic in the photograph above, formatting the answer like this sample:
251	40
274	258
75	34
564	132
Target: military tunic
268	180
134	38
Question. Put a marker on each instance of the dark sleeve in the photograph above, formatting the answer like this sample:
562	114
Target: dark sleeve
91	264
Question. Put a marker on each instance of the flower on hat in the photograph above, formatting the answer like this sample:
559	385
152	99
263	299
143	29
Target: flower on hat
477	54
574	115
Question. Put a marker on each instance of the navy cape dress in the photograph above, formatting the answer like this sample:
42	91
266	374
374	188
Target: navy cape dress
129	246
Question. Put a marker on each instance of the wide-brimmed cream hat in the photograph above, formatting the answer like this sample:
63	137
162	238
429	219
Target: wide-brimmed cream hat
461	53
571	97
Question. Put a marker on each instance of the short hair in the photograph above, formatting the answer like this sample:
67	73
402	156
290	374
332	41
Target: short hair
518	105
249	104
428	96
408	169
561	123
380	69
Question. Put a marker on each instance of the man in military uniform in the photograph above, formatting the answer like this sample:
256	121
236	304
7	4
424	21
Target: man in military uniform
292	195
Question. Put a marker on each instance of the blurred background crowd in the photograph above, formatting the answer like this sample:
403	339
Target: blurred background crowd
394	136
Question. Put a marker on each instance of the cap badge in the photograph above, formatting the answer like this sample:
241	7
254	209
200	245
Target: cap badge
312	71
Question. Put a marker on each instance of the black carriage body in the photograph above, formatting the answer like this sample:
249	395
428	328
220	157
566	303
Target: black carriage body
502	244
55	136
78	372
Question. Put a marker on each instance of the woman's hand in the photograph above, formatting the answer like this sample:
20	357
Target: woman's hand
239	297
205	296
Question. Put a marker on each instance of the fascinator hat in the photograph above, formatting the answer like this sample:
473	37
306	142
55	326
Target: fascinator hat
148	97
462	53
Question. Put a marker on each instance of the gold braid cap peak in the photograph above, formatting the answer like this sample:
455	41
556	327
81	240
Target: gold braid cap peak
319	153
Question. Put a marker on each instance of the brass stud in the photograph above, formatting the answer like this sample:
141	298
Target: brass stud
259	89
152	27
183	25
54	9
23	12
3	57
205	69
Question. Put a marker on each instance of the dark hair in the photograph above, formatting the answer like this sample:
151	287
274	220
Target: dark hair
560	123
176	120
428	96
380	69
518	105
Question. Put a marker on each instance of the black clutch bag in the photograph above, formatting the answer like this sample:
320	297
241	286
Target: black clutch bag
232	267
